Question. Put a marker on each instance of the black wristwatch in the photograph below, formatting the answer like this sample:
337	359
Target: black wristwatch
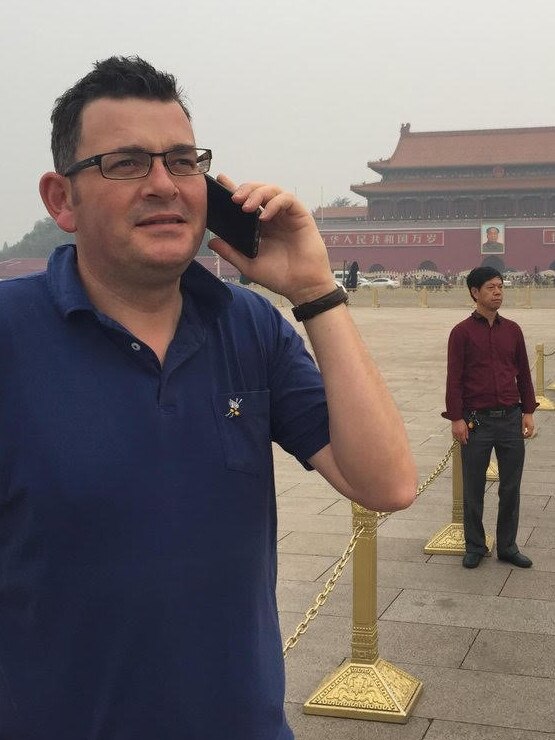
308	310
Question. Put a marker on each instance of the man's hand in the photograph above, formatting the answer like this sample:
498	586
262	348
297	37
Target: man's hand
459	429
527	425
292	258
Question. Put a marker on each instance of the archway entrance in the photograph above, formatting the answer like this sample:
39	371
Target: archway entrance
493	260
428	265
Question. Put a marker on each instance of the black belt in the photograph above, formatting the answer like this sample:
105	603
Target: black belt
499	412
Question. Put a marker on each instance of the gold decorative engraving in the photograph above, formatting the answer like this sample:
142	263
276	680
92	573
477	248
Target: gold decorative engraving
379	691
450	541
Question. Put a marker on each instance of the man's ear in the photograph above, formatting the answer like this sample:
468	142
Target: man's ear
55	193
474	292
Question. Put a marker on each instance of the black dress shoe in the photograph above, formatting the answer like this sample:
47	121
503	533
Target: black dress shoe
471	560
518	559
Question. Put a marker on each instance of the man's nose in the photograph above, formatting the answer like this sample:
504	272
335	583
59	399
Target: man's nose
160	180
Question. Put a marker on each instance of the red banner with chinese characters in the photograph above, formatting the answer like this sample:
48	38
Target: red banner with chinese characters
549	236
383	238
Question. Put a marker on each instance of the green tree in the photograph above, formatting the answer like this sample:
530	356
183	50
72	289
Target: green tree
340	202
40	242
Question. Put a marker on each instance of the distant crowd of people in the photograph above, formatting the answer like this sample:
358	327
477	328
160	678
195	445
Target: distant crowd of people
445	281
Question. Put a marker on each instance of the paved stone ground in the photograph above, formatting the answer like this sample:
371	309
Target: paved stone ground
481	641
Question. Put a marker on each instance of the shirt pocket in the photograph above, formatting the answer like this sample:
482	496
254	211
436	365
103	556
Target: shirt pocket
243	419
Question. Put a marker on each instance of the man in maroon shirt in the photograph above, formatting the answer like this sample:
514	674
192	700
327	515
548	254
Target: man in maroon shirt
490	401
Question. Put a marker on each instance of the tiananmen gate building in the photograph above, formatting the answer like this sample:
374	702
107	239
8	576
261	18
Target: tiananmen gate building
452	200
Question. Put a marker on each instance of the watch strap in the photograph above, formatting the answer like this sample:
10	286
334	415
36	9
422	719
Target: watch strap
312	308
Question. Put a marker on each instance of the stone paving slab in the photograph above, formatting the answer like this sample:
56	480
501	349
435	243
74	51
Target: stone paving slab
471	610
329	728
327	644
542	536
519	702
304	489
529	585
298	596
290	522
313	542
441	730
391	548
440	577
303	567
427	576
517	653
299	504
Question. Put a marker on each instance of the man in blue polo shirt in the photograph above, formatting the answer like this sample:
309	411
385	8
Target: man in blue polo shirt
139	397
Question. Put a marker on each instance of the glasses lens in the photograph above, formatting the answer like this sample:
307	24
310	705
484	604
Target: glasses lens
125	165
188	161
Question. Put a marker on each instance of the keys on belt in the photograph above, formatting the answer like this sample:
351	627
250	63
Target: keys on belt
473	420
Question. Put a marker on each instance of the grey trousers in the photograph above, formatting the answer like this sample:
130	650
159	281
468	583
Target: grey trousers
505	436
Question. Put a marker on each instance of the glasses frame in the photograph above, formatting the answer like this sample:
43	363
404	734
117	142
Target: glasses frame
204	159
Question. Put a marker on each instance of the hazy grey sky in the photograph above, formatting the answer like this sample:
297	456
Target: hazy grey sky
298	92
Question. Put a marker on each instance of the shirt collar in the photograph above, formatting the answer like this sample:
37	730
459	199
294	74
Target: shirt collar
208	292
478	316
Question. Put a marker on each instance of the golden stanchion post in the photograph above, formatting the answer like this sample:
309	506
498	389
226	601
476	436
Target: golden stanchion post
449	540
375	298
544	403
366	687
424	298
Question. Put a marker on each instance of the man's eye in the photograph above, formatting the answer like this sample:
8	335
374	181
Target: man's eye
185	162
123	163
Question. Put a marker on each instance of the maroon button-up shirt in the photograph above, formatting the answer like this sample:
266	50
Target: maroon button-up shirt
487	367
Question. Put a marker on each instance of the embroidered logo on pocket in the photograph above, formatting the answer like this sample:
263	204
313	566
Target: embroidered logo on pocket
234	408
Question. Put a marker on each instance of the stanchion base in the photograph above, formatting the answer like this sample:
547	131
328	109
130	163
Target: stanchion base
492	473
545	404
450	541
374	691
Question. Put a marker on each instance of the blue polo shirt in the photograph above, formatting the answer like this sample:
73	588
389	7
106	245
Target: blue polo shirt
137	513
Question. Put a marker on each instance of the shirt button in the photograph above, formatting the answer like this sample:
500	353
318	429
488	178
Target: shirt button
136	346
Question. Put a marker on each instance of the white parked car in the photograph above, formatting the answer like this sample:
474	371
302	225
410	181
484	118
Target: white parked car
383	282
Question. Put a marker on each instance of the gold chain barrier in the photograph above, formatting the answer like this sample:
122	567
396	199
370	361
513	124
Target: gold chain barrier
545	404
322	597
366	687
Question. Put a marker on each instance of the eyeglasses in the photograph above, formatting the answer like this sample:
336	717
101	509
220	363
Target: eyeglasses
135	163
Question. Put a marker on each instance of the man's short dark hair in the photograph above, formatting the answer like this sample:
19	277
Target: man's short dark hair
492	228
116	77
480	275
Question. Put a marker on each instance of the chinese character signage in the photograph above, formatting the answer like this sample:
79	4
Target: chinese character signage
549	236
383	238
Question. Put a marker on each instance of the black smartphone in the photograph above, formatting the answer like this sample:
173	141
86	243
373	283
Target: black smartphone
226	219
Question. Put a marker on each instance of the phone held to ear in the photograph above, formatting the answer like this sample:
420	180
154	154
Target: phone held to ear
226	219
